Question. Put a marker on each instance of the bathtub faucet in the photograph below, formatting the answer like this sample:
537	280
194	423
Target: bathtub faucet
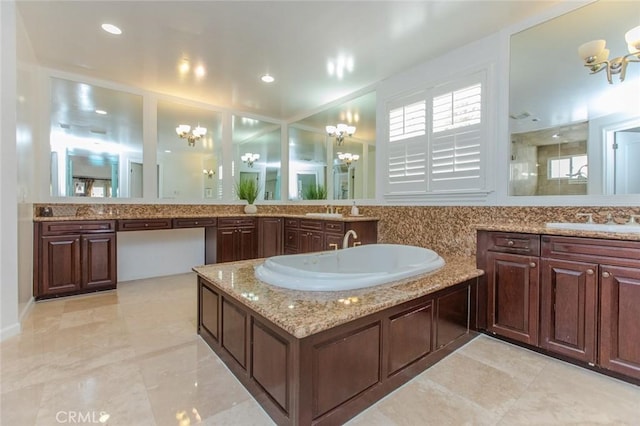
345	240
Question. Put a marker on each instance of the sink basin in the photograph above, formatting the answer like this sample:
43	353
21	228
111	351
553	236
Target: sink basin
334	215
595	227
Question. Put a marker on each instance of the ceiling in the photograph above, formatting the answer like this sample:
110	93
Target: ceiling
238	41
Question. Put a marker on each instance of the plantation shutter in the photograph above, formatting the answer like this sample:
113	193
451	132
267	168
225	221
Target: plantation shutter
456	136
407	148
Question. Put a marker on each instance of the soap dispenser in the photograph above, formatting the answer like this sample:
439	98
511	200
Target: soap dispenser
354	210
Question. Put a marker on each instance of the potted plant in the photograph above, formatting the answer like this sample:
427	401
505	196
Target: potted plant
248	189
318	192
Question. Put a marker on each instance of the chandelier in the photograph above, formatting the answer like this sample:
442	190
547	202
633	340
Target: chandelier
348	158
208	173
184	131
250	158
596	57
340	131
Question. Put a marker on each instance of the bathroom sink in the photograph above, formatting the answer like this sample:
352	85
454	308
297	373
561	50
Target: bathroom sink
334	215
595	227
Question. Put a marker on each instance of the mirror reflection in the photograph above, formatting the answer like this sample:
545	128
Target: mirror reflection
189	152
329	165
95	141
256	154
573	132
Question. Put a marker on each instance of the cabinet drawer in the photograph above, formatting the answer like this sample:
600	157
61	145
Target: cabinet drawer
143	224
527	244
610	252
229	222
314	225
194	222
75	227
335	227
292	223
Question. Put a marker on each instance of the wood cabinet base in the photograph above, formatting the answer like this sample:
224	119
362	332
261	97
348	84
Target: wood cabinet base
329	377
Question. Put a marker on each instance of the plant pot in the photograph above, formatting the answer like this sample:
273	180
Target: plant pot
250	209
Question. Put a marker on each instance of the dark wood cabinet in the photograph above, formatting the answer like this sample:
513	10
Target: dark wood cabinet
74	257
310	235
589	297
511	267
236	239
270	234
568	301
619	348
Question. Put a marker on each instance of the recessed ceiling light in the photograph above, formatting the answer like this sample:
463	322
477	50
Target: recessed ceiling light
267	78
111	29
101	112
168	151
184	66
200	71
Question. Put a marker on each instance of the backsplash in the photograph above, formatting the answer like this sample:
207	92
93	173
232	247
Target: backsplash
449	230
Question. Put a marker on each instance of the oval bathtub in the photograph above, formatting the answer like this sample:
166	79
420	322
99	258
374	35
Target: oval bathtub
348	269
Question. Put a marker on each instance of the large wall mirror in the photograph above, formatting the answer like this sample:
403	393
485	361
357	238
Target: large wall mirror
95	141
189	152
572	132
256	154
323	166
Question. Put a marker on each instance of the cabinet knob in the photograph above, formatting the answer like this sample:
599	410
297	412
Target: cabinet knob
196	222
510	243
590	272
606	275
146	225
532	264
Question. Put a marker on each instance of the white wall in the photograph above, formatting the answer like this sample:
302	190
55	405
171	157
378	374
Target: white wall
146	254
9	324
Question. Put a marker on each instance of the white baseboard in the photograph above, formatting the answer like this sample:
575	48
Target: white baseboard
10	331
26	309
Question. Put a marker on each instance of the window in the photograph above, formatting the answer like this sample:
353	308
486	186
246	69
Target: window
572	167
445	153
407	149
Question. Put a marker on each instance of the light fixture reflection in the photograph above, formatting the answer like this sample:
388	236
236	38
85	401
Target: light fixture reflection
596	56
250	158
340	132
183	130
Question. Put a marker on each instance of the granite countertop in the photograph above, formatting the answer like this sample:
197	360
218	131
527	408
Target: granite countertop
115	216
303	313
542	229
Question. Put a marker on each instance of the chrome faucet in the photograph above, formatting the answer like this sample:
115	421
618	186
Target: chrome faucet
345	240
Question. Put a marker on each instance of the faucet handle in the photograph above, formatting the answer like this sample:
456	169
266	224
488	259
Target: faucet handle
589	216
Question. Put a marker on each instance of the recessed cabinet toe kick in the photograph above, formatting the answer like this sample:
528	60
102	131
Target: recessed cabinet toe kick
575	298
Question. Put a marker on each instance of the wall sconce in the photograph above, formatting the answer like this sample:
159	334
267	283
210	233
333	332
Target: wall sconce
348	158
250	158
340	131
183	131
209	172
596	57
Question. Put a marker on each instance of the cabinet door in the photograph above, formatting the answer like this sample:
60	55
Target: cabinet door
513	292
331	239
619	349
61	266
568	294
225	245
247	243
270	236
99	260
310	241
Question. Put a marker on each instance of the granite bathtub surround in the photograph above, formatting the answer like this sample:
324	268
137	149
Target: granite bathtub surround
303	313
449	230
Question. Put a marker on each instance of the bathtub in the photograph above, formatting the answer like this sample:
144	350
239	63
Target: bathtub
348	269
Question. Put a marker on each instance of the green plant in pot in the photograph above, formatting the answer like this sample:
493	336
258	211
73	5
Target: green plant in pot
248	189
318	192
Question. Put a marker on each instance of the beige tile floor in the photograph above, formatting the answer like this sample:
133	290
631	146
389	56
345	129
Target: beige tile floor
135	355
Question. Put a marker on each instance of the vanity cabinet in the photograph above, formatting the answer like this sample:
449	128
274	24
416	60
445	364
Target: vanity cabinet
270	233
588	299
236	239
307	235
73	257
596	281
512	279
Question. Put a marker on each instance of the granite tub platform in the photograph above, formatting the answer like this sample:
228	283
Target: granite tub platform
322	357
